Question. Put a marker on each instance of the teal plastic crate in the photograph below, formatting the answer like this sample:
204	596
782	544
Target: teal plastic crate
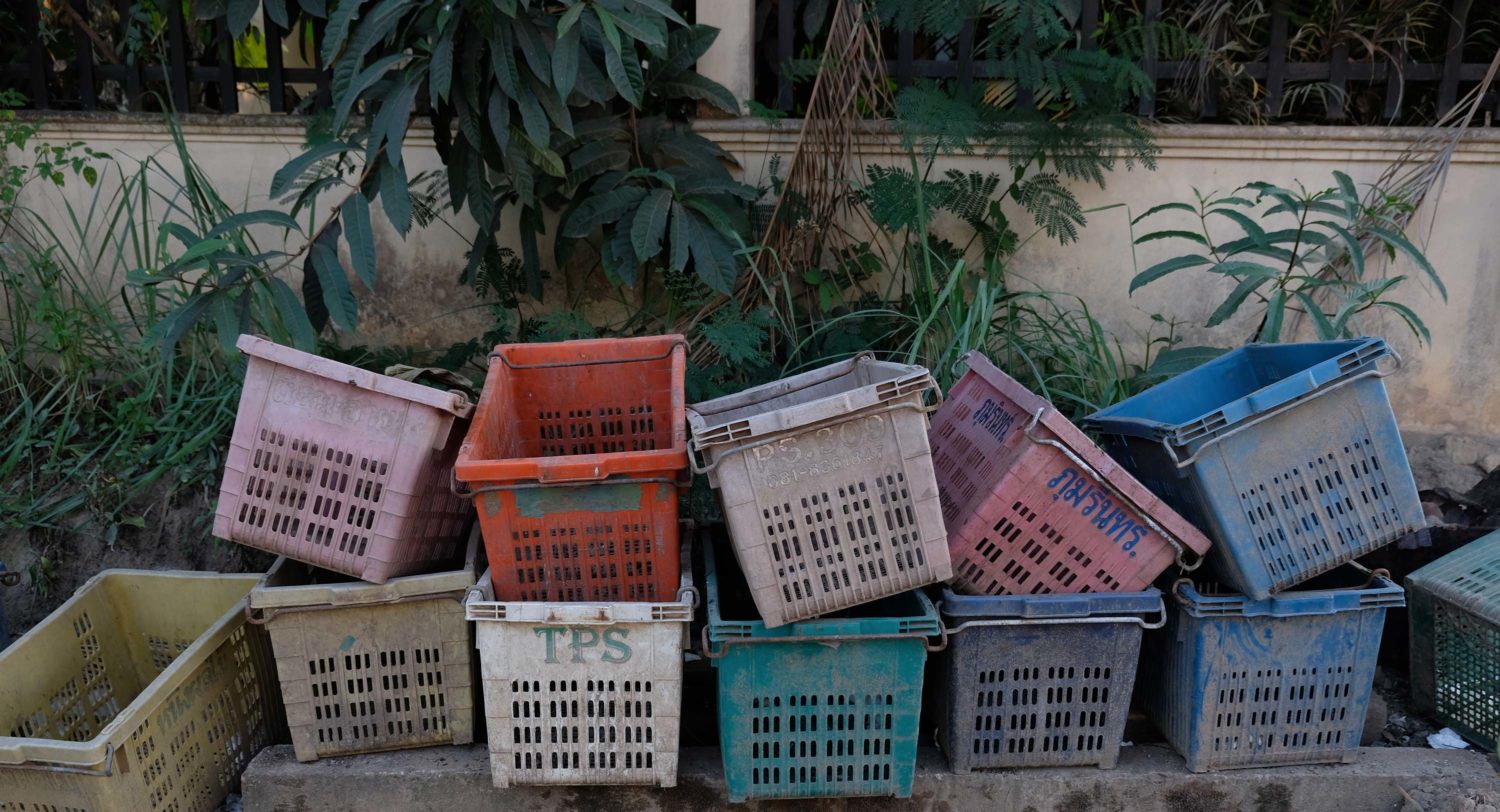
823	708
1454	609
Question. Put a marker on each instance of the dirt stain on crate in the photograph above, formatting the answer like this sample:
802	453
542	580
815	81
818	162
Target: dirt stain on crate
538	503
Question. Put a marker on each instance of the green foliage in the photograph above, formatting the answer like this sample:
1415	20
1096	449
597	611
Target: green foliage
1295	251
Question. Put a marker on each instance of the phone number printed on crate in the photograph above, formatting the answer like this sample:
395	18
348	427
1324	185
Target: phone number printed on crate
1094	504
575	640
828	449
344	409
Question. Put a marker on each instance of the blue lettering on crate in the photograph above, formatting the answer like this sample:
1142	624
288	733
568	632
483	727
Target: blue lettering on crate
996	420
1095	504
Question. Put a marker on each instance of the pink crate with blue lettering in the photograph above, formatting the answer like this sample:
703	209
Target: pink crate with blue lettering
1033	506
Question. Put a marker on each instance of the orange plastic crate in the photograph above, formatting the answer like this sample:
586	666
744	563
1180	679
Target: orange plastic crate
574	460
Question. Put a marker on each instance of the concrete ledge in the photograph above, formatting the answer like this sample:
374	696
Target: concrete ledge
1149	779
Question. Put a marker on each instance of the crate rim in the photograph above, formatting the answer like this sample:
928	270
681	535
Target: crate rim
352	594
705	433
451	401
719	630
1360	355
1380	592
1437	577
94	757
1061	607
480	605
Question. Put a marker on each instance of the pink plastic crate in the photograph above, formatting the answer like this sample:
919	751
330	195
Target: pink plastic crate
342	468
1033	506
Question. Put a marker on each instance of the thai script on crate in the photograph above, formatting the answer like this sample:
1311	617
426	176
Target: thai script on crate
1094	503
578	639
825	450
349	409
996	420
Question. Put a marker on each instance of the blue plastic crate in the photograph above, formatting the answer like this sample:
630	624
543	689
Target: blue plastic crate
1039	680
1286	455
816	708
1236	682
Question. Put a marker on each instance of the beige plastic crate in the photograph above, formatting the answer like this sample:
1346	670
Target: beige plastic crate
371	667
145	691
828	486
582	693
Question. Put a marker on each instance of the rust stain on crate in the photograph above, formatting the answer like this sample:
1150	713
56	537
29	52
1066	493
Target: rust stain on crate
536	503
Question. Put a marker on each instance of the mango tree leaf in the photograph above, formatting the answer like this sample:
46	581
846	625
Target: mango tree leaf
1252	229
360	235
241	12
1237	267
1165	267
607	24
570	17
679	237
625	74
713	259
293	316
620	257
602	208
565	61
395	198
1413	321
541	157
337	30
662	7
534	46
1395	240
685	46
1174	206
338	297
1241	291
440	71
276	10
650	32
699	88
650	223
1325	328
389	126
361	82
249	218
1275	313
1172	235
294	169
1350	194
1177	360
170	330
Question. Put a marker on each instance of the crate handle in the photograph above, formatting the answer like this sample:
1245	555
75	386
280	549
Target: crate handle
1373	372
695	450
262	616
498	356
11	758
1182	552
523	486
1160	621
707	650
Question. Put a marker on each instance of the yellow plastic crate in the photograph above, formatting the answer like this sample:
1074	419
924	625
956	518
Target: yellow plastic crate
371	667
145	691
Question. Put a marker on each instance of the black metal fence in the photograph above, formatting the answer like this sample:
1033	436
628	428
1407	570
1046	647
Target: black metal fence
1381	85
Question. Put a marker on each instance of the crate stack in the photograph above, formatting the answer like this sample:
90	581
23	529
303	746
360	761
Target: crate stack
1288	457
1055	549
820	634
575	461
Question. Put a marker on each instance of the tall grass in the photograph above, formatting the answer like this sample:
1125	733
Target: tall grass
94	419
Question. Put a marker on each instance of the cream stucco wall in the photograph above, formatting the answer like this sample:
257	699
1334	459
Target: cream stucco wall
1445	388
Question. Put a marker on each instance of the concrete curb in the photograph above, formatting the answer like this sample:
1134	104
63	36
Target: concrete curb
1149	779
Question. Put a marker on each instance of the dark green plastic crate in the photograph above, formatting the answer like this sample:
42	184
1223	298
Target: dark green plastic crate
817	708
1454	606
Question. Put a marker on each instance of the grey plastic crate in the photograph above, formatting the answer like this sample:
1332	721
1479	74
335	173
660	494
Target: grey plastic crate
828	486
1040	680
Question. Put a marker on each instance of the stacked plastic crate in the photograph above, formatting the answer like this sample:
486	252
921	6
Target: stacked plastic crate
1055	548
345	473
820	634
575	461
1289	458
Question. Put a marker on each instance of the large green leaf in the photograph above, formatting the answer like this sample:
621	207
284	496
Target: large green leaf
595	157
338	297
650	223
600	209
1165	267
1325	328
503	60
395	197
1174	206
685	46
625	74
681	247
1172	235
361	82
713	257
293	316
662	7
1236	298
651	32
619	257
565	63
1275	314
241	12
293	170
360	236
269	217
440	73
699	88
389	127
1398	241
534	46
542	157
337	30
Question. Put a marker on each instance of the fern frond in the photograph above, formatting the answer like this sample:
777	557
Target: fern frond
1054	208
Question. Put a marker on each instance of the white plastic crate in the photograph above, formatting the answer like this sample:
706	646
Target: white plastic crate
582	693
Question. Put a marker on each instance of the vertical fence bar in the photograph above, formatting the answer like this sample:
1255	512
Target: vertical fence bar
133	82
1453	58
83	59
1276	62
906	54
1088	24
966	55
40	64
1149	62
1338	80
786	30
1395	82
229	96
276	81
177	66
